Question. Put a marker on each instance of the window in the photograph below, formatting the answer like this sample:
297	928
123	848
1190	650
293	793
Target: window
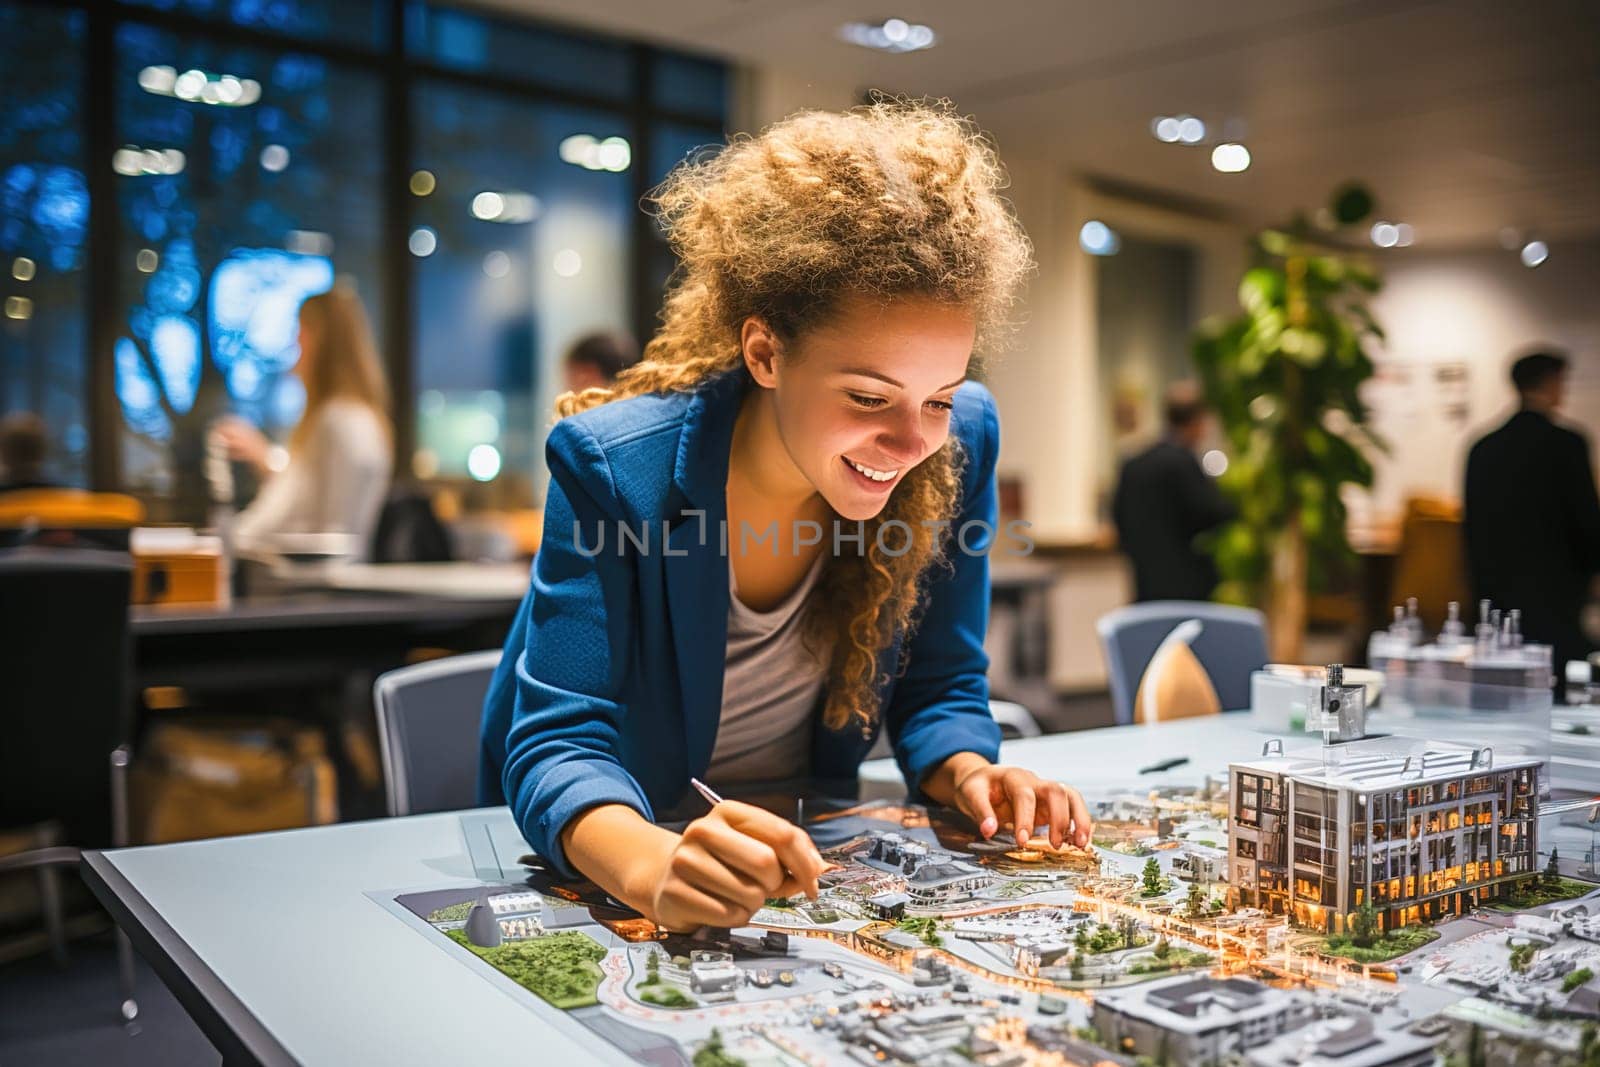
690	85
521	246
44	229
229	216
239	155
347	21
468	41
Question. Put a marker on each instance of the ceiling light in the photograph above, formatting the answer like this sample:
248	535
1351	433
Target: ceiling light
197	86
1230	158
274	157
422	241
890	35
567	263
589	152
1405	236
488	205
422	183
1385	234
1098	239
132	161
1190	129
1534	253
1166	128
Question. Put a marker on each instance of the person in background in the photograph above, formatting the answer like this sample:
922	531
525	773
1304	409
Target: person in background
595	360
1532	521
23	446
1164	500
334	474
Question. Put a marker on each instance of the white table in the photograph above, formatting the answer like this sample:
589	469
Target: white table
1097	762
272	944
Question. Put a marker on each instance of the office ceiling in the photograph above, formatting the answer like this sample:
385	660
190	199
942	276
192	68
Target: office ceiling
1465	116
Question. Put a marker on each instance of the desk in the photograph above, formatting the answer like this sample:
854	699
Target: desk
272	945
304	637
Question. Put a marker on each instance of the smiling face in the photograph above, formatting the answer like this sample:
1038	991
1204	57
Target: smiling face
862	399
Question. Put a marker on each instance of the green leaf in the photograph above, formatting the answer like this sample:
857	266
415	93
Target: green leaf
1274	242
1260	289
1303	346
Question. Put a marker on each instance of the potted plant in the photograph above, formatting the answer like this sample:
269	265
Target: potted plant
1284	378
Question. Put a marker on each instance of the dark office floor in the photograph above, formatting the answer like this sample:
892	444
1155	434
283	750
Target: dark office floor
68	1016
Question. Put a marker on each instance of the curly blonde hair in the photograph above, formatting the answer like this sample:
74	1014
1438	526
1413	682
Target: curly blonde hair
888	200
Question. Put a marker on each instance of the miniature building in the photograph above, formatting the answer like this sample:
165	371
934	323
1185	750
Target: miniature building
713	975
1195	866
928	968
1419	833
1031	953
518	902
937	884
1196	1020
752	943
1344	1042
481	928
888	906
919	1035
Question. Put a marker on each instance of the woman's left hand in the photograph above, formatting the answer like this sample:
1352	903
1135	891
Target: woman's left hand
993	796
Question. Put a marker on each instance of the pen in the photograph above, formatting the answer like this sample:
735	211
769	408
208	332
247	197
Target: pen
1164	765
713	799
705	791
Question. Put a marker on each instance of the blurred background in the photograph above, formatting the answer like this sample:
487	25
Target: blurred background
1328	226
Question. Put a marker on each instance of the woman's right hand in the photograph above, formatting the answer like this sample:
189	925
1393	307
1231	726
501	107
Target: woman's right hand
242	440
725	866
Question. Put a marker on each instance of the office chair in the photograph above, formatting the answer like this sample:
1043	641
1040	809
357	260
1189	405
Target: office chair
66	656
1231	644
428	717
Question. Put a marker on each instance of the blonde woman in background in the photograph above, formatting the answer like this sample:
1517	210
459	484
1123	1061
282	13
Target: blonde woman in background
338	463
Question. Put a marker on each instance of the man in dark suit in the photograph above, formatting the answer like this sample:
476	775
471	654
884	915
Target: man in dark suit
1532	516
1164	500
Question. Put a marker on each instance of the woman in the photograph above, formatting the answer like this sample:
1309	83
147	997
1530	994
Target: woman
336	471
807	384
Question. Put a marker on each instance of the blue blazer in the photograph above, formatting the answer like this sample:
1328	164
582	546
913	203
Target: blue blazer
610	689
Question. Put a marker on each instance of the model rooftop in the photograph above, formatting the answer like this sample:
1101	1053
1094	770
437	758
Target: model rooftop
1198	1004
1379	763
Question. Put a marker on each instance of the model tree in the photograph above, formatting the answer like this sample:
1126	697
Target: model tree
1364	925
1552	871
712	1054
1163	948
1195	907
1128	926
1154	884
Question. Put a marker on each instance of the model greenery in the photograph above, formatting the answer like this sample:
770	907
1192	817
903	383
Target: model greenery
1284	378
560	968
713	1054
1154	883
1379	946
927	929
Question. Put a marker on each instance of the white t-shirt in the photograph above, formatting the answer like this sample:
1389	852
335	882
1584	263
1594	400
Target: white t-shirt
335	482
770	689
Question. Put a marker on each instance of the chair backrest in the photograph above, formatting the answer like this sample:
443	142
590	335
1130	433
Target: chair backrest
1431	564
428	731
65	701
1232	644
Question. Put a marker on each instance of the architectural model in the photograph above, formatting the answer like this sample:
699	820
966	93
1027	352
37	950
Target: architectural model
1362	902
